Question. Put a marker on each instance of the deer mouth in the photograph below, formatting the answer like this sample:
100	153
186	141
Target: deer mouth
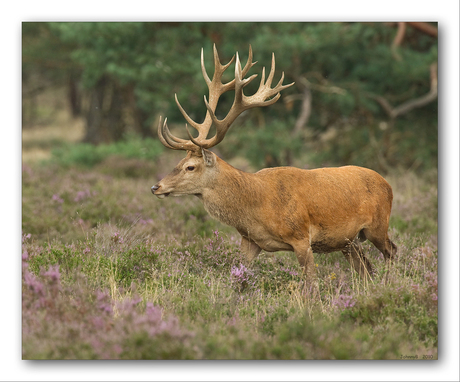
161	196
154	190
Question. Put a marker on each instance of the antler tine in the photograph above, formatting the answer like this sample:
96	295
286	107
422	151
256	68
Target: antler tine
160	134
240	82
265	91
272	72
262	80
217	62
280	85
203	69
195	125
249	63
211	112
218	67
168	137
195	142
172	142
267	84
243	72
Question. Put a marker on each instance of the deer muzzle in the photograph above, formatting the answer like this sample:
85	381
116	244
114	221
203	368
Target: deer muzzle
154	190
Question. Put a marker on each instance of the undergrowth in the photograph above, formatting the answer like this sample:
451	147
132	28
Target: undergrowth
110	272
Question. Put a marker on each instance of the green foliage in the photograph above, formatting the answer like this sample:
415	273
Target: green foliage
133	54
271	144
88	155
400	305
277	273
134	265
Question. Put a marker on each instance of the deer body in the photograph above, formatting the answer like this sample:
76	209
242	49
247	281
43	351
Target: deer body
284	208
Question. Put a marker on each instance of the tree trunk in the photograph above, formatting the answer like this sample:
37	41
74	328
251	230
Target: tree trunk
140	119
74	97
94	115
104	119
114	125
305	112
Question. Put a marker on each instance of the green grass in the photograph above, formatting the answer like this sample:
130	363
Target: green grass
109	271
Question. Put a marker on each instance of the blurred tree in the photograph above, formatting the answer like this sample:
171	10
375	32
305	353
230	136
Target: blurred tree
122	69
343	71
364	92
45	65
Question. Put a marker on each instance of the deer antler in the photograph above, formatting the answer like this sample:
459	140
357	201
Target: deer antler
264	96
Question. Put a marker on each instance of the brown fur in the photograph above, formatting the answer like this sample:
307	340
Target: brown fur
290	209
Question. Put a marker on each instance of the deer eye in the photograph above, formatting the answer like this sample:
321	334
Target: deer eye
190	168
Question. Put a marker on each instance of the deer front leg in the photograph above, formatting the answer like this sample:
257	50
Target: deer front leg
249	249
306	259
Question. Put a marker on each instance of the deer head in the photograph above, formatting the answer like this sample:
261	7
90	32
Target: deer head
199	166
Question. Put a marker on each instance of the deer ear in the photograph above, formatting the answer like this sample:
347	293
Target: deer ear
208	157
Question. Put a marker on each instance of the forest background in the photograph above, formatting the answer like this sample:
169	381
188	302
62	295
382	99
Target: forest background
364	93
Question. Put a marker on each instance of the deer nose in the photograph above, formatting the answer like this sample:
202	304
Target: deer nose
154	188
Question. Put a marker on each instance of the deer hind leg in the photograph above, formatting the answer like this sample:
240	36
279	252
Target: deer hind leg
382	242
379	237
358	261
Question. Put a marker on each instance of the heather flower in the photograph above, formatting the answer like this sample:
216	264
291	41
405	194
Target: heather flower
233	320
117	238
26	237
31	281
103	302
239	272
81	195
50	319
57	199
343	302
241	276
52	273
432	280
98	323
127	305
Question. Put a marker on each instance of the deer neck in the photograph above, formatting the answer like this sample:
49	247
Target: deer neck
227	196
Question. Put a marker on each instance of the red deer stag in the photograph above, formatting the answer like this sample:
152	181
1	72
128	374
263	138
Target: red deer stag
277	209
